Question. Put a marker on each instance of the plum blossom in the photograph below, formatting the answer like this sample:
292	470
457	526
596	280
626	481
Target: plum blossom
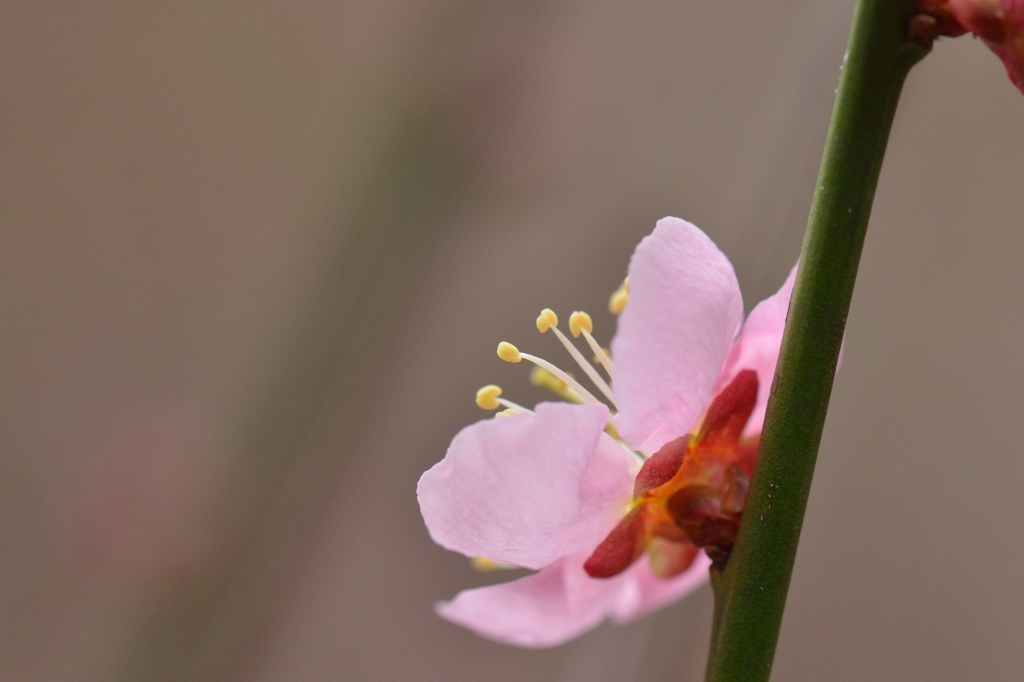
612	506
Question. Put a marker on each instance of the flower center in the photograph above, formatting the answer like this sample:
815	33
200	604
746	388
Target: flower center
548	375
579	323
690	494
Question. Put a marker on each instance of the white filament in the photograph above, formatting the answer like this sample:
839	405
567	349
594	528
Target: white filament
586	367
569	381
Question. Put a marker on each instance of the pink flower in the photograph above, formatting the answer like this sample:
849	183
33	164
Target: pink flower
1000	23
565	490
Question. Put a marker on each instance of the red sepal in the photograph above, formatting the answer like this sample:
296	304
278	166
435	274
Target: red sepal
622	547
730	411
661	466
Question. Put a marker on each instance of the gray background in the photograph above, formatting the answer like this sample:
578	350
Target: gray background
256	257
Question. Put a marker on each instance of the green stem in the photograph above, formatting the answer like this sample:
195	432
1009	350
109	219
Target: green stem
751	595
716	621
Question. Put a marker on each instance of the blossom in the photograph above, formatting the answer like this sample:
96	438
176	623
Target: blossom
612	510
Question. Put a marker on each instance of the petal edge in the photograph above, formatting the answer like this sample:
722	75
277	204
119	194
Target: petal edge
674	335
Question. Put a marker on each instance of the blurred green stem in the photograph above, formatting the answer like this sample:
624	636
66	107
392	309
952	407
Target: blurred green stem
750	594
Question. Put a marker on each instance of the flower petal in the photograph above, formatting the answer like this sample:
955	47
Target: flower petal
529	488
541	610
646	592
684	310
757	348
562	602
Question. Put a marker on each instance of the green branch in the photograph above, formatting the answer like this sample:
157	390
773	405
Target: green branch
750	594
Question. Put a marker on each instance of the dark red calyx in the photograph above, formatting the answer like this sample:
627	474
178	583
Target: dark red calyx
719	556
622	547
697	509
945	21
933	18
710	515
734	491
661	466
730	411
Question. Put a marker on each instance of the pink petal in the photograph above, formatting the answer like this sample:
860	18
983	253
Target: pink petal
757	348
529	488
541	610
562	602
684	310
646	592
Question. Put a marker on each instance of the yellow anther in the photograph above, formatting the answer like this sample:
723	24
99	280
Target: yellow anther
545	379
607	352
610	429
508	352
580	321
505	413
487	397
546	320
625	284
617	302
485	565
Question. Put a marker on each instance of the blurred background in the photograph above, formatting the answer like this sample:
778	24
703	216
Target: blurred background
256	257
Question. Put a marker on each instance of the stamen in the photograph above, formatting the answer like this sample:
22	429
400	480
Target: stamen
510	407
636	453
546	316
580	323
509	353
485	565
545	379
564	376
505	413
547	320
618	300
600	354
487	397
